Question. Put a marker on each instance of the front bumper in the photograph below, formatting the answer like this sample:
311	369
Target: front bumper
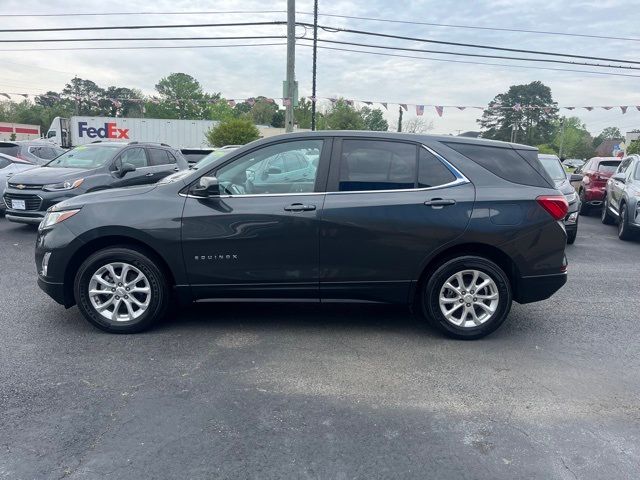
53	289
36	202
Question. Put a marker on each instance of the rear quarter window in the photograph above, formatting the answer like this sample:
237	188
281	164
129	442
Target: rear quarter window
10	150
517	166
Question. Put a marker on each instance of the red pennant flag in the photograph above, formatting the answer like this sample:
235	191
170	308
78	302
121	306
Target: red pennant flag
461	108
624	109
251	101
385	106
404	105
440	110
231	103
419	110
270	100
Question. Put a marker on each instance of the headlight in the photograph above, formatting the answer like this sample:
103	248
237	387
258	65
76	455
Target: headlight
572	197
54	187
52	218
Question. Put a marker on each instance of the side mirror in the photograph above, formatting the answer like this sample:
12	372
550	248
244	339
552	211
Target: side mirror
207	187
575	177
619	177
126	168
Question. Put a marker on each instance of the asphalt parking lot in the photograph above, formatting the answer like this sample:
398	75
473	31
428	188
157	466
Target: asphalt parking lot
335	391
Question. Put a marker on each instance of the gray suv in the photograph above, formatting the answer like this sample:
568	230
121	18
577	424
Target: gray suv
457	227
622	198
37	152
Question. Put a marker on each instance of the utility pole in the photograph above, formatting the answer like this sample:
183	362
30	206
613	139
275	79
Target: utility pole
315	57
291	64
561	138
400	119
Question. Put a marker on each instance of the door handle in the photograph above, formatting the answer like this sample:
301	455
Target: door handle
299	207
149	174
440	202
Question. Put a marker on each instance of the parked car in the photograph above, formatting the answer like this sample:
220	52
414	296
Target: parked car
194	155
563	179
571	164
458	227
9	166
595	174
622	198
87	168
37	152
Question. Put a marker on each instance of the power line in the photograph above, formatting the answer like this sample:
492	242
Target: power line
106	14
475	27
474	63
145	39
140	27
567	62
145	47
470	45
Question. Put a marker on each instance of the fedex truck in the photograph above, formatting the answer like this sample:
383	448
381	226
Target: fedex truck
74	131
18	131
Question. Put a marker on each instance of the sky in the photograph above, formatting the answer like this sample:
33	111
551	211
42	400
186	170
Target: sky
242	72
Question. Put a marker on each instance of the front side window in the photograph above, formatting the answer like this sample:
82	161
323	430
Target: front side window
263	171
4	163
86	157
553	167
377	165
134	156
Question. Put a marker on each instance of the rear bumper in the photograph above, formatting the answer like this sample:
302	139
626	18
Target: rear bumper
594	195
539	287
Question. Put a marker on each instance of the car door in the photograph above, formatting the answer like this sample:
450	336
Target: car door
162	163
254	243
617	186
143	173
389	205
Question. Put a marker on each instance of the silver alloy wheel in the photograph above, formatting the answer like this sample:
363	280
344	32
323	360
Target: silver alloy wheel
469	298
119	292
622	220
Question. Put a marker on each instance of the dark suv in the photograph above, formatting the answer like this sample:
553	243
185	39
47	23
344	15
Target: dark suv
37	152
622	198
87	168
457	227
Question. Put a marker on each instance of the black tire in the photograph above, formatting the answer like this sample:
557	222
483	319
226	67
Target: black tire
571	235
157	281
624	229
584	208
606	216
431	288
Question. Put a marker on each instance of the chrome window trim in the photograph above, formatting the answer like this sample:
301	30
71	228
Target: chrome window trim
460	180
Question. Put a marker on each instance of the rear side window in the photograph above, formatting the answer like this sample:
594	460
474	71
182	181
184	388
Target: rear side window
431	171
10	149
517	166
608	166
377	165
46	153
160	157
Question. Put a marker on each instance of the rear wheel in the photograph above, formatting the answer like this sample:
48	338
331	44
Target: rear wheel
121	290
467	297
624	230
584	208
606	216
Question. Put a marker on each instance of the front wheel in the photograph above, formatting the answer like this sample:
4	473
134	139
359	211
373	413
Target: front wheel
121	290
584	208
624	230
467	297
571	236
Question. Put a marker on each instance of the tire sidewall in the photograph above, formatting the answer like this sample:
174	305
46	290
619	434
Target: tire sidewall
431	291
157	283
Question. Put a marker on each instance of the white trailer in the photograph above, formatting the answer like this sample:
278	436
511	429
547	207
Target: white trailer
70	132
18	131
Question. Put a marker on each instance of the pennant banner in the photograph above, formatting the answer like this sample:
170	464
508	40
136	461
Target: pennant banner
439	110
419	109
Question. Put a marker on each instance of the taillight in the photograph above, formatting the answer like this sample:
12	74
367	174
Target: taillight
556	205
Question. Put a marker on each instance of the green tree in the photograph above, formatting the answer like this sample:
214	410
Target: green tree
572	139
634	147
127	103
341	116
236	131
609	133
84	95
302	114
222	111
278	119
180	96
533	126
374	119
546	148
263	111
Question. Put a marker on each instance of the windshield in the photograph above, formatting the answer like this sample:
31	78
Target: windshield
209	159
86	157
553	167
9	149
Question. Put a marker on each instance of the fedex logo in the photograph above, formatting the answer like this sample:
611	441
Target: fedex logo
110	130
